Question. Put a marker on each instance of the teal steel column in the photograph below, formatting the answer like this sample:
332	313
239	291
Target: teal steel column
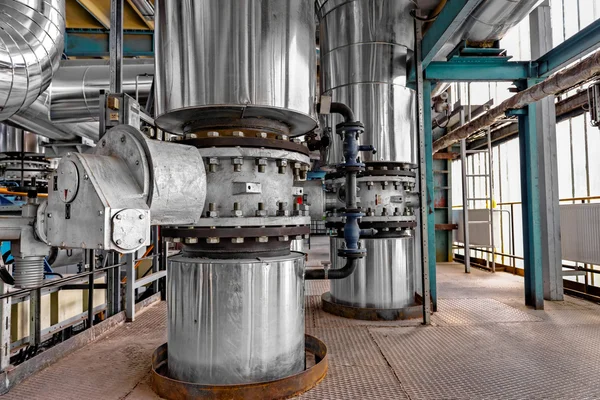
428	129
530	197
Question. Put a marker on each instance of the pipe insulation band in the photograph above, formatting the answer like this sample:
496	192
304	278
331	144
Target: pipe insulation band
32	33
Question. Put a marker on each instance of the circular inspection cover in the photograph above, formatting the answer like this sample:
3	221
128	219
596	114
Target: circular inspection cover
67	181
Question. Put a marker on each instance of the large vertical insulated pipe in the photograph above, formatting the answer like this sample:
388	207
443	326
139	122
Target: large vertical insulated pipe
366	47
239	73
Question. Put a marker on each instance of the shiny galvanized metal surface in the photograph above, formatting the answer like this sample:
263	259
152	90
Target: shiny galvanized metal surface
14	139
489	22
385	278
36	118
245	59
365	50
171	175
32	33
283	388
75	89
243	183
235	321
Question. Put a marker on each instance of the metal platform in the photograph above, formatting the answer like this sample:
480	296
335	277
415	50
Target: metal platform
478	347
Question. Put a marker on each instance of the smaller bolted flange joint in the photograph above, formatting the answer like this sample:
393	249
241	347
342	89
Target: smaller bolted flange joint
352	235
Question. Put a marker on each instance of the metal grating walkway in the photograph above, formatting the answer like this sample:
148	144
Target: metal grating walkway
483	344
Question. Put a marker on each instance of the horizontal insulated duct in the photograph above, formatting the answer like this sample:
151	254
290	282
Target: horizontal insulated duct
31	45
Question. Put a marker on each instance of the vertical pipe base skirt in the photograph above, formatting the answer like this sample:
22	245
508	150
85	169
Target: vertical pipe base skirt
235	321
382	287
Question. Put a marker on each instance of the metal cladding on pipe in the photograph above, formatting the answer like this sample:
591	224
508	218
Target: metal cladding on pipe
15	140
563	80
235	321
36	118
365	49
31	45
235	60
490	21
385	278
75	90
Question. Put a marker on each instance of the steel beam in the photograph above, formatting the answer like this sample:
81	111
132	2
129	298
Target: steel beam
541	42
530	197
95	43
130	287
429	206
577	46
96	11
5	321
473	69
116	46
90	261
451	18
423	111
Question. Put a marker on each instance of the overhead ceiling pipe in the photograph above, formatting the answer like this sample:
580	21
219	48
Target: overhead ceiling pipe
31	45
36	118
563	80
70	107
489	22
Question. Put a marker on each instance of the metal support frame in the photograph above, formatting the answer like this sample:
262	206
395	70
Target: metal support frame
113	282
473	69
96	43
450	19
90	262
577	46
116	46
35	317
5	317
426	188
541	42
164	245
530	197
465	200
130	287
156	260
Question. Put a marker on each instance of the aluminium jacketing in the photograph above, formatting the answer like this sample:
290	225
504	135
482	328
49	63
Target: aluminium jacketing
231	59
235	321
365	50
384	279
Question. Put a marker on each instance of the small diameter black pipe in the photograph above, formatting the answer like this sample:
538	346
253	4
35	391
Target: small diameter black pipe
341	273
343	110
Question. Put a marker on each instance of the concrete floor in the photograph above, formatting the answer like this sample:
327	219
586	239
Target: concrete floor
483	344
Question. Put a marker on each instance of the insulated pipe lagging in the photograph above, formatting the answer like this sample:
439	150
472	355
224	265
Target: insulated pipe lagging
31	45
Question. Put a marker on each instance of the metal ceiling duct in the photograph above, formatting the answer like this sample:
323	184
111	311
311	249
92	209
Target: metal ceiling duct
70	107
36	118
75	90
16	140
490	21
31	45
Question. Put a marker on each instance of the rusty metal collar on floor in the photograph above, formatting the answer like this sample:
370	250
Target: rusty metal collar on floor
284	388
